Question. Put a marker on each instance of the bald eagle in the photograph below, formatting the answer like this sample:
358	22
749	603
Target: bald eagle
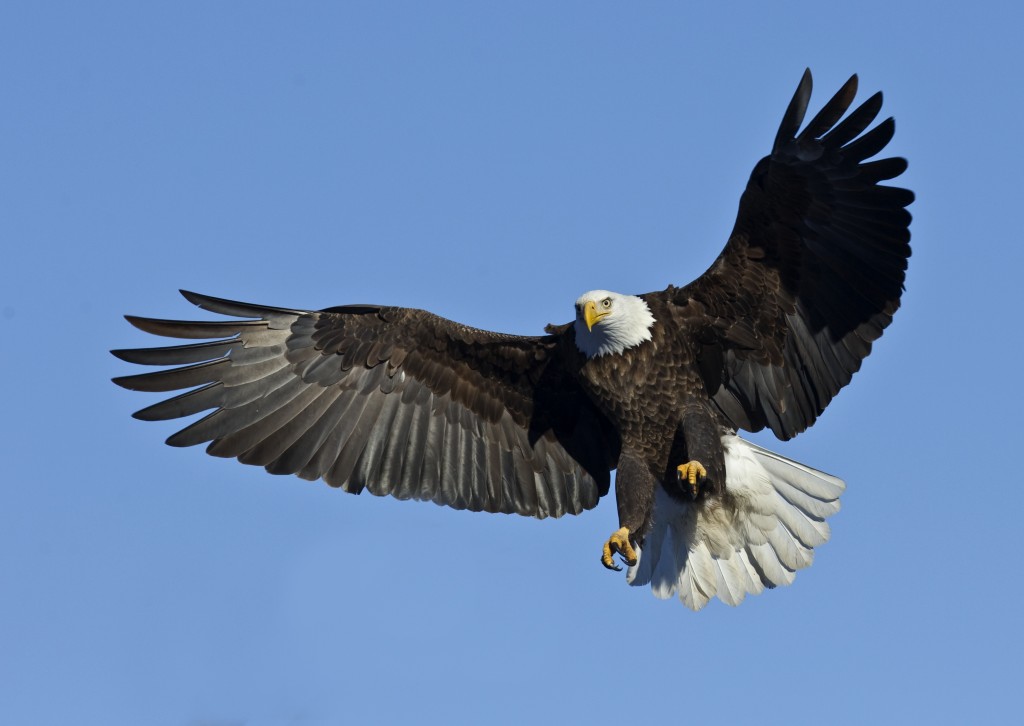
401	402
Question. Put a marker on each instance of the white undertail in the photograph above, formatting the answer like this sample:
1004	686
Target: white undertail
698	551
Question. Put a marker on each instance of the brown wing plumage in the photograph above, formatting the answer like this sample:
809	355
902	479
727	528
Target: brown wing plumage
392	400
812	272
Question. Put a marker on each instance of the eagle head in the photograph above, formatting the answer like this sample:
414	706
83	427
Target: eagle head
607	322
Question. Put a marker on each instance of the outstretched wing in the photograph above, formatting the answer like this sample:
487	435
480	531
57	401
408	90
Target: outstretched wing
392	400
812	272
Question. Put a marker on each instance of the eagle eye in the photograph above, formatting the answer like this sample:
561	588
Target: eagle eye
606	303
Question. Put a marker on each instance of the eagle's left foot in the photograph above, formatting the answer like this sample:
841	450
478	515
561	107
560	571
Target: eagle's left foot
619	542
691	472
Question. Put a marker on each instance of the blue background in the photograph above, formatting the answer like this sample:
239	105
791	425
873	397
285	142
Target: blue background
488	162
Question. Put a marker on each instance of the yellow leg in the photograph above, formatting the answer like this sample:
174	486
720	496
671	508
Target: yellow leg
618	542
690	472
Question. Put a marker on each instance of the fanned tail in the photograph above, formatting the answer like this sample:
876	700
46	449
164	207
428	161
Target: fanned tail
767	530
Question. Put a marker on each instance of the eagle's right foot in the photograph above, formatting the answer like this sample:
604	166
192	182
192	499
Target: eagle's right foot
618	543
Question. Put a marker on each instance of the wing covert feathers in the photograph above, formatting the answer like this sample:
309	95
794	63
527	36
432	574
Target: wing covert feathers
766	529
395	401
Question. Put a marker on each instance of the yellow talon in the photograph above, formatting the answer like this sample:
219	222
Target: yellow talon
690	472
619	542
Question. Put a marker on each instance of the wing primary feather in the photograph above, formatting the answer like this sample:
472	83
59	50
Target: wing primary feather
193	329
239	309
794	115
883	169
831	111
872	142
174	355
852	126
192	402
176	378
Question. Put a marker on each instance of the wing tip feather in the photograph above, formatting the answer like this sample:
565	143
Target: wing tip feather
796	110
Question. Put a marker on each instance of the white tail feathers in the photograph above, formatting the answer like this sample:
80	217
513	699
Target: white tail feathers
765	531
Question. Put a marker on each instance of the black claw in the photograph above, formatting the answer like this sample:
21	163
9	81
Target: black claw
612	566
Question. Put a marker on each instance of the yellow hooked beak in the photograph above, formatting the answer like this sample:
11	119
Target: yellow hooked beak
590	315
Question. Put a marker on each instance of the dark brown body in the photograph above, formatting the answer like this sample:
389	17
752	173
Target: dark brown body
654	395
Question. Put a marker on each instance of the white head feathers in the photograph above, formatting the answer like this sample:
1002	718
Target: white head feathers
607	322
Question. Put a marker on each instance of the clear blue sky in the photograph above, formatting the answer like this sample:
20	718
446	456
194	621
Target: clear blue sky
489	162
